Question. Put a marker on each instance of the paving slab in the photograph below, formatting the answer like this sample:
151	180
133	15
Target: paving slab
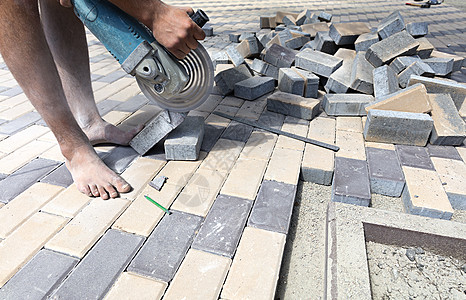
401	43
347	33
443	152
254	87
141	287
385	172
60	176
412	156
412	99
120	158
351	182
317	62
184	142
293	105
452	173
19	123
346	104
390	25
385	81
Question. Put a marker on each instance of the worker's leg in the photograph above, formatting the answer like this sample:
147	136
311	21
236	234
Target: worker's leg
67	41
27	54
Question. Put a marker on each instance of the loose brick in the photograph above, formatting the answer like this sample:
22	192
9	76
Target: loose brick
452	174
311	82
293	105
290	82
94	275
351	182
254	87
264	68
325	16
284	166
412	99
386	176
324	43
362	75
392	24
289	20
424	195
249	47
365	40
425	48
24	243
267	22
166	247
443	152
351	145
120	158
312	29
235	56
346	104
184	143
458	61
301	18
297	42
441	66
39	277
402	62
347	33
416	68
417	29
385	81
211	135
401	43
139	286
449	127
394	127
246	279
340	80
279	56
317	62
87	227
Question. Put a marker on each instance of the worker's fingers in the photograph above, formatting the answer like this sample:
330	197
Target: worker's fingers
66	3
198	33
191	42
187	9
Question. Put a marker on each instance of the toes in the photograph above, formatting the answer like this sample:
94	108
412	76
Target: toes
121	185
111	191
85	190
94	190
103	193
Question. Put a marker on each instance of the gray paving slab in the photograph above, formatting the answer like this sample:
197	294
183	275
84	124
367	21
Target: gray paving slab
221	231
401	43
132	104
390	25
385	81
166	247
364	41
19	123
351	182
184	143
39	277
120	158
449	152
317	62
13	91
226	80
412	156
60	176
24	177
254	87
346	104
237	132
385	173
100	268
290	82
271	119
293	105
273	206
211	135
449	128
417	29
347	33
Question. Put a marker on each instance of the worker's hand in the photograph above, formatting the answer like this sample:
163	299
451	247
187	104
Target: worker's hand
66	3
173	28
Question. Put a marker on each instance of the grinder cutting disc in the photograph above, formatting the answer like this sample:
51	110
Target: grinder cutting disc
199	67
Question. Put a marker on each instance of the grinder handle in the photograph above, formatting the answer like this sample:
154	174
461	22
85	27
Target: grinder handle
200	18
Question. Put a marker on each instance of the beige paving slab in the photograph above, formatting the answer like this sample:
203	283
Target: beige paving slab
452	173
216	120
352	124
68	203
116	117
21	245
130	286
223	155
109	68
295	126
245	178
26	204
320	160
54	153
351	145
142	216
48	137
142	116
78	236
380	145
22	138
3	136
200	192
113	88
179	172
259	145
127	93
200	276
139	174
322	129
9	102
22	156
284	165
97	85
462	152
255	268
16	111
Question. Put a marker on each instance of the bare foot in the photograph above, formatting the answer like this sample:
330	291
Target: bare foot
104	132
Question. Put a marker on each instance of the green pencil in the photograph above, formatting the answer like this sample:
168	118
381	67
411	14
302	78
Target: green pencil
158	205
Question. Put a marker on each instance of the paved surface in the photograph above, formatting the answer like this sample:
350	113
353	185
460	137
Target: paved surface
59	241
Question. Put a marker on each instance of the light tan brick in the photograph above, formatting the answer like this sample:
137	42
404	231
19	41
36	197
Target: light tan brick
130	286
245	178
255	268
21	245
68	203
294	126
22	138
16	111
113	88
452	173
53	153
142	216
200	192
259	145
22	156
179	172
127	93
462	152
200	276
412	99
216	120
352	124
380	145
284	165
351	145
223	155
25	205
142	116
322	129
139	174
116	117
13	101
318	164
48	137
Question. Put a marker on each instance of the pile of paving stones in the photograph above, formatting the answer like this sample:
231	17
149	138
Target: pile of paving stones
392	74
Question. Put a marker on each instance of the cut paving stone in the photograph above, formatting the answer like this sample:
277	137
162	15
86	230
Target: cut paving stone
301	18
441	66
402	62
413	99
280	14
166	247
317	62
184	142
290	82
246	278
425	48
449	127
452	174
211	135
416	157
264	68
140	287
60	176
95	274
424	194
289	20
386	176
362	75
456	90
324	16
23	178
279	56
223	226
235	56
458	61
253	88
293	105
297	42
385	81
417	29
405	128
346	104
273	207
347	33
324	43
39	277
351	182
383	52
120	158
392	24
311	82
226	80
249	47
156	130
443	152
312	29
416	68
365	40
267	22
340	80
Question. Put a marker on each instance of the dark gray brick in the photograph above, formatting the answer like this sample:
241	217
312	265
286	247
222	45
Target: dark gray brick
324	43
184	143
271	119
39	277
318	62
273	206
279	56
132	104
19	123
390	25
120	158
253	88
107	105
166	247
14	91
24	177
401	43
223	226
226	80
237	132
417	29
60	176
211	135
290	81
351	182
386	176
293	105
449	152
98	270
412	156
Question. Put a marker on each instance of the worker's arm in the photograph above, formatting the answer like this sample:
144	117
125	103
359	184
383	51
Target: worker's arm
171	25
